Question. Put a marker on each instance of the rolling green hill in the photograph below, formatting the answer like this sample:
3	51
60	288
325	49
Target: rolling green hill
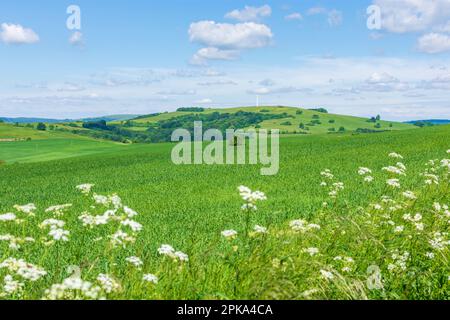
290	124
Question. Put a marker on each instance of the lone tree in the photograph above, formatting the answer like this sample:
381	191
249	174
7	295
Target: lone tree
41	126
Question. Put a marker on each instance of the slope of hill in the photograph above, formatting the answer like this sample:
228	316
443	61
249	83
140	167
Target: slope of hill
430	121
297	120
25	120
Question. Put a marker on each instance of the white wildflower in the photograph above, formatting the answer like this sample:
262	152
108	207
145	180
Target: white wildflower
327	274
259	229
135	226
363	171
59	234
409	195
229	234
395	155
24	269
12	286
27	209
7	217
394	183
135	261
150	278
85	188
311	251
108	283
129	212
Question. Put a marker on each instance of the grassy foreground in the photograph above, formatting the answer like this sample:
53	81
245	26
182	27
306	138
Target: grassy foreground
358	240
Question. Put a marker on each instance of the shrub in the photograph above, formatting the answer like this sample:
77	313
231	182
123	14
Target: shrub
321	110
332	121
286	123
41	126
191	109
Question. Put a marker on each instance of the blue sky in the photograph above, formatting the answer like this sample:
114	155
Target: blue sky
148	56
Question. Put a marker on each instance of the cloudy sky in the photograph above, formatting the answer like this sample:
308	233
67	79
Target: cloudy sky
147	56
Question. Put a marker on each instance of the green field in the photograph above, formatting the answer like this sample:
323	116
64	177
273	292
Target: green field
188	207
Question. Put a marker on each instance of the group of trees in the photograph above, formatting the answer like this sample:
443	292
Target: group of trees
161	131
191	109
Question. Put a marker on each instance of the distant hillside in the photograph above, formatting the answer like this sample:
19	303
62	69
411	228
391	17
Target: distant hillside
32	120
431	121
296	120
119	117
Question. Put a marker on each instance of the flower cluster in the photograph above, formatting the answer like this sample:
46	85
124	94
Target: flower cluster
114	212
301	225
169	251
251	198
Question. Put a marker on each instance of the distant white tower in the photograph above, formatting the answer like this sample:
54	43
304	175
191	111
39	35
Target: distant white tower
257	101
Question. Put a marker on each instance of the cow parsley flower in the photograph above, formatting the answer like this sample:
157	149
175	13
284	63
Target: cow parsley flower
409	195
259	229
311	251
58	210
135	226
229	234
135	261
250	197
129	212
59	234
150	278
7	217
363	171
394	183
121	238
169	251
327	275
301	225
24	269
73	289
85	188
27	209
108	283
395	155
12	286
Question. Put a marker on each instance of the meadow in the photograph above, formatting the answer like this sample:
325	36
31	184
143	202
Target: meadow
348	216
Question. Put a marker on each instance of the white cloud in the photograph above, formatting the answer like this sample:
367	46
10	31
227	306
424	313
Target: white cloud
177	92
76	38
384	82
230	36
402	16
204	101
16	34
267	83
211	53
250	13
281	90
70	87
294	16
434	43
334	17
217	83
316	10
